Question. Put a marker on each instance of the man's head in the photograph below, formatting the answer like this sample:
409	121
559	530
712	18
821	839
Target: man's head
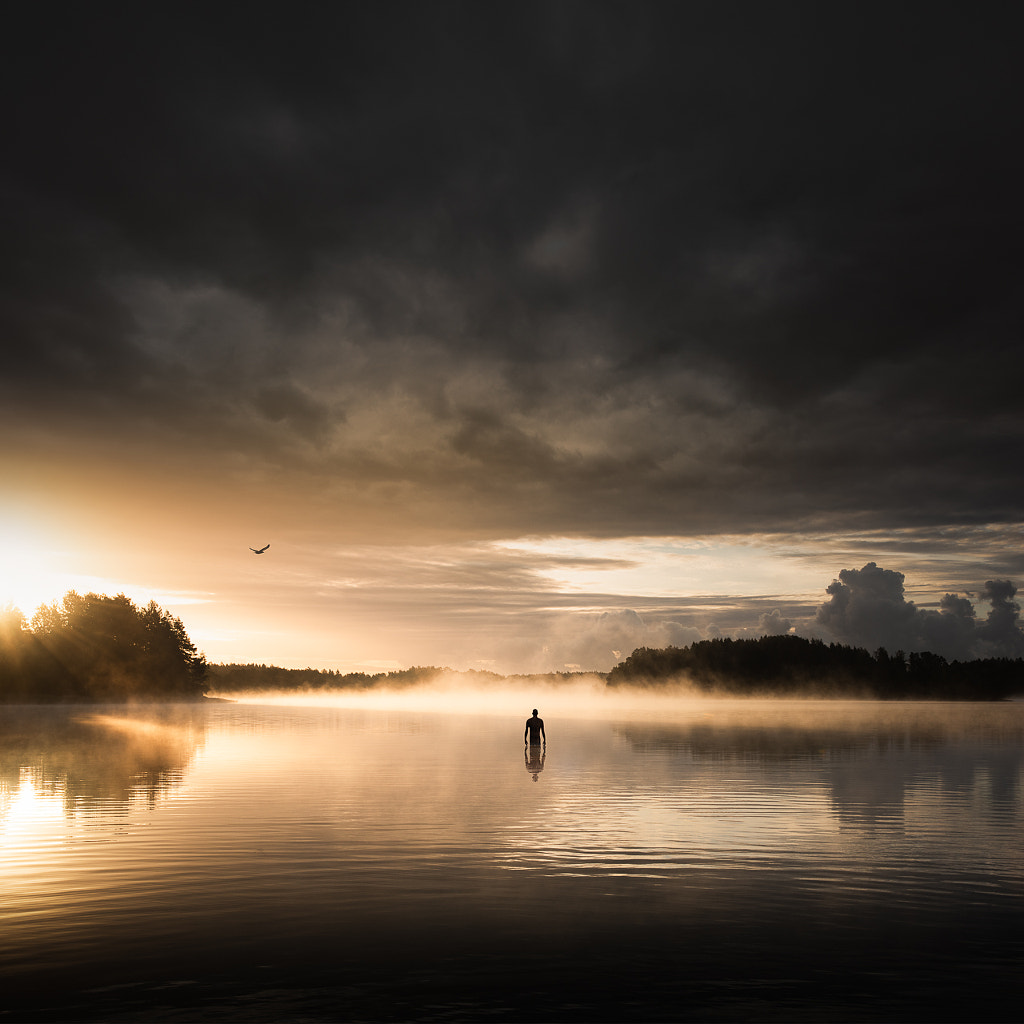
534	712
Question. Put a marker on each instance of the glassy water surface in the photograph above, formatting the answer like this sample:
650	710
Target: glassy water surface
707	860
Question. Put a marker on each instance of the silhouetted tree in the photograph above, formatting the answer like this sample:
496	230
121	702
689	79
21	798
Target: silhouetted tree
99	648
793	664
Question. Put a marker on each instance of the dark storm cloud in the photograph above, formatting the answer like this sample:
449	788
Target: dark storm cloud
583	267
867	608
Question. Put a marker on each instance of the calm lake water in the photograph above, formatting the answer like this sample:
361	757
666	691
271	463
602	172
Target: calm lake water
698	860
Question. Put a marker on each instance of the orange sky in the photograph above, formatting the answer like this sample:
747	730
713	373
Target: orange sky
346	600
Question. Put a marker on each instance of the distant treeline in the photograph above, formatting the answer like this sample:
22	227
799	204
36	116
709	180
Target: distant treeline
794	665
97	648
780	665
234	678
252	678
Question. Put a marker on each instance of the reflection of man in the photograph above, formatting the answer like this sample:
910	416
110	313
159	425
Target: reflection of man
534	758
535	730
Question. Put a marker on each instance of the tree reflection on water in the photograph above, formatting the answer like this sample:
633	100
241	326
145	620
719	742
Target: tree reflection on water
868	755
100	756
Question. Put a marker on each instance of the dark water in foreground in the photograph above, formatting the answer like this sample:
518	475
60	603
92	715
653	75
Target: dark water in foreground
720	861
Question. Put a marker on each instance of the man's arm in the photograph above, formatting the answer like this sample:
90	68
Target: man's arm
544	735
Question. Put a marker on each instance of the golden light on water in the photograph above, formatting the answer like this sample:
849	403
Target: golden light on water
32	820
29	805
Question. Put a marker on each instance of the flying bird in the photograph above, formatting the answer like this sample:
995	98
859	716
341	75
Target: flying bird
259	551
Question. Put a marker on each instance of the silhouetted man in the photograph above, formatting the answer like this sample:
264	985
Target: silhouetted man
535	730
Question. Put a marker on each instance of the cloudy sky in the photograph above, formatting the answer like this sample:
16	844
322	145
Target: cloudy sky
525	334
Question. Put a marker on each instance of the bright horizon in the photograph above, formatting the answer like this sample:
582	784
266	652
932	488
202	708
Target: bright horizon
509	606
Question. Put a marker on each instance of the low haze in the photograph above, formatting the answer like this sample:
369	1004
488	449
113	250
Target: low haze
523	334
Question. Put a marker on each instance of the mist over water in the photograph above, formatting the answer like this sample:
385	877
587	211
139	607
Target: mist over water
452	694
403	855
588	697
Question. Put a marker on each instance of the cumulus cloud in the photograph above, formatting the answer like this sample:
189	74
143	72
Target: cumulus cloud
868	608
1000	634
599	641
773	623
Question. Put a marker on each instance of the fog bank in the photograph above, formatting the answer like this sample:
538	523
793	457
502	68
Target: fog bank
588	698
